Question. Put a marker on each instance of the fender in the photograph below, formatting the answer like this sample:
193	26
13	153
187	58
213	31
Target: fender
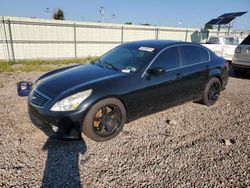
220	73
215	72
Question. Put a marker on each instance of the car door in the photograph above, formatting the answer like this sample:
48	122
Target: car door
194	70
179	83
163	89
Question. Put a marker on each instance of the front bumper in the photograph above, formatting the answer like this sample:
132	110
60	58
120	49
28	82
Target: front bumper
59	125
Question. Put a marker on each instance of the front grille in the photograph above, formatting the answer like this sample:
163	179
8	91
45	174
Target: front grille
38	99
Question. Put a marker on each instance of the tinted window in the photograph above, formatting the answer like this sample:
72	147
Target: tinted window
191	55
204	54
246	41
168	59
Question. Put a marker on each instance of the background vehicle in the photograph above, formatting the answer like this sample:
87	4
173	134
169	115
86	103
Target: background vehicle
241	59
223	46
240	39
130	81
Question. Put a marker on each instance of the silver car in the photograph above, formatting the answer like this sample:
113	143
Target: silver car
241	59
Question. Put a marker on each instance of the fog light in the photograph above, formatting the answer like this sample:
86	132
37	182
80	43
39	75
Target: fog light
54	128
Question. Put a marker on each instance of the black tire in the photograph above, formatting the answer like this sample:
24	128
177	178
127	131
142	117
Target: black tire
240	72
210	97
97	133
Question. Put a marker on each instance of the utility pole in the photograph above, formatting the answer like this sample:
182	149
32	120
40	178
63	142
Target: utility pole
47	10
113	18
102	13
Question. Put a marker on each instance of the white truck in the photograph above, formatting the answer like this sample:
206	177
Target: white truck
223	46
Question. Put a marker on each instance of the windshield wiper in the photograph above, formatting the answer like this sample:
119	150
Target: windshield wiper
109	65
98	64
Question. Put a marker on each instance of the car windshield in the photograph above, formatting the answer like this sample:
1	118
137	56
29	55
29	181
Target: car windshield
231	41
127	58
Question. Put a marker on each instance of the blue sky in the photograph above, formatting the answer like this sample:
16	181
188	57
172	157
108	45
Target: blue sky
192	13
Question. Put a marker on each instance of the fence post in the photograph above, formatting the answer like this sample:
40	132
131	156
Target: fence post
11	41
157	33
207	35
122	30
75	47
6	39
186	35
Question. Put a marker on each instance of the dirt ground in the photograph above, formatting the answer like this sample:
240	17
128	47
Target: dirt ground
186	146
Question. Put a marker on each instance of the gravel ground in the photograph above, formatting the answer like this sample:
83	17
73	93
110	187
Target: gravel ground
186	146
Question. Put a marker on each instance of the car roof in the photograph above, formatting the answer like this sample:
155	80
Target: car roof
157	44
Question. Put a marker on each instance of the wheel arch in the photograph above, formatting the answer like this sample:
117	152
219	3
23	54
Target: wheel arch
87	125
109	97
217	74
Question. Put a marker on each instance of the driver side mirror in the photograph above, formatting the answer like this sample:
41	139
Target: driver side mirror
156	71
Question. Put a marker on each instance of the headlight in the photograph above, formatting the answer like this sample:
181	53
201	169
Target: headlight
72	102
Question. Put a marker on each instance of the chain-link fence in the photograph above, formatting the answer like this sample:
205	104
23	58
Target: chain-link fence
29	38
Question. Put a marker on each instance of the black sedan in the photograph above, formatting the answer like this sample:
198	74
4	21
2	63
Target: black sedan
128	82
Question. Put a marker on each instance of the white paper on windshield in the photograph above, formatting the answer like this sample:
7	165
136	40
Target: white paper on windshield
126	70
147	49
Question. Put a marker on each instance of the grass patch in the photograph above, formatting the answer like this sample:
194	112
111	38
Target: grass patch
40	65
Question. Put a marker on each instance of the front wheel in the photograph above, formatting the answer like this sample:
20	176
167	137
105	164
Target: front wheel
211	92
104	120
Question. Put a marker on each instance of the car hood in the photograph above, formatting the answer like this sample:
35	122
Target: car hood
74	78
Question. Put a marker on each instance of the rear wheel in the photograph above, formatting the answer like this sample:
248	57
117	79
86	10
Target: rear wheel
211	92
104	120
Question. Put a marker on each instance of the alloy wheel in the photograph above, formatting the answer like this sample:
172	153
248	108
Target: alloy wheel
214	92
106	120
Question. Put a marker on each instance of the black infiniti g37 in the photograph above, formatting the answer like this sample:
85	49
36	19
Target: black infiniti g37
128	82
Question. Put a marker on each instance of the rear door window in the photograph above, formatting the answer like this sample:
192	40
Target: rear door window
204	54
168	59
193	55
246	41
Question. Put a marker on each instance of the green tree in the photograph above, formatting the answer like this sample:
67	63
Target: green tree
146	24
128	23
208	27
58	15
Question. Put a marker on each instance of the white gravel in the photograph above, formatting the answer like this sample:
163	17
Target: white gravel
186	146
